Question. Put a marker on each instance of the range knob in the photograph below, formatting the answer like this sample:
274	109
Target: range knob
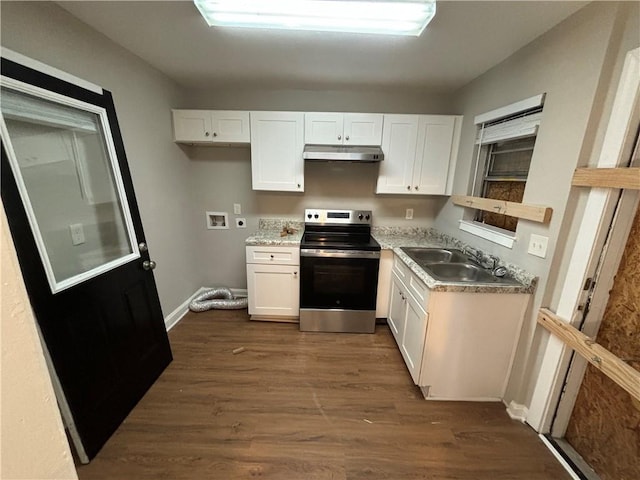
308	215
367	217
316	216
360	216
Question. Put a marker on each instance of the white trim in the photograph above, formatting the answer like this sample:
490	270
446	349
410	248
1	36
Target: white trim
517	411
54	72
174	317
55	285
508	110
559	457
590	239
488	232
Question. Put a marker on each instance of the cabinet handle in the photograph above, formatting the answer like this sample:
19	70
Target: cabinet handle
295	273
215	134
339	137
408	187
271	257
206	134
346	138
416	187
298	185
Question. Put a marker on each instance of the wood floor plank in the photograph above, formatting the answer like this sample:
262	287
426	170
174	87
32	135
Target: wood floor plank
304	406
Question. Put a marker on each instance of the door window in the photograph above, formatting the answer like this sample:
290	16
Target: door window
62	155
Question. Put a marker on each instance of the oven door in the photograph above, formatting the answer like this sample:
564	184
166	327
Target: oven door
338	279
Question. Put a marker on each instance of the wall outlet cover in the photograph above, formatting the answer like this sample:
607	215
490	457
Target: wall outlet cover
538	245
77	233
241	223
408	214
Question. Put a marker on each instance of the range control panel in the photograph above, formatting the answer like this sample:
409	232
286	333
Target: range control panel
342	217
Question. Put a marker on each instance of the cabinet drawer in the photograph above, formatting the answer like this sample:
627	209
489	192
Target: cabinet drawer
274	255
401	269
419	290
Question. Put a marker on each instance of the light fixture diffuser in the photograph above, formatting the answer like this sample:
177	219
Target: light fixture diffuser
387	17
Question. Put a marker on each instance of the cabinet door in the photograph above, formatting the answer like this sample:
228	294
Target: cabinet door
277	142
273	290
399	137
397	309
413	337
323	128
363	129
230	126
192	126
434	152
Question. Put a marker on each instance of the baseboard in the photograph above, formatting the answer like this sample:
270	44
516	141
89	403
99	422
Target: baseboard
517	411
174	317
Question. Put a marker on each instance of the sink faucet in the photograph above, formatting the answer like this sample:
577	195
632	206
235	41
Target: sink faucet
485	261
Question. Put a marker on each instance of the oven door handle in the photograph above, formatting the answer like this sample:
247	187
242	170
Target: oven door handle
323	253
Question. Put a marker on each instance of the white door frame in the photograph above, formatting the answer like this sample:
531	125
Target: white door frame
590	242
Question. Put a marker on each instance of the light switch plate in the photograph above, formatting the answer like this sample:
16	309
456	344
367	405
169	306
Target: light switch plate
538	245
408	214
237	209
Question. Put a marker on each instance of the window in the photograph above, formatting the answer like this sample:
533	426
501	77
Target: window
506	167
505	141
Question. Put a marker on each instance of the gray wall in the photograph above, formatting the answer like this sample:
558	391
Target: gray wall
572	64
143	97
222	176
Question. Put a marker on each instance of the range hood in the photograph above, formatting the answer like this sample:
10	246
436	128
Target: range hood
340	153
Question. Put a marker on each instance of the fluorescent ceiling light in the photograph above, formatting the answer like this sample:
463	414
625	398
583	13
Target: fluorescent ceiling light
390	17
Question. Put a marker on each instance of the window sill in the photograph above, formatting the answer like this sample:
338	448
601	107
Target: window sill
488	232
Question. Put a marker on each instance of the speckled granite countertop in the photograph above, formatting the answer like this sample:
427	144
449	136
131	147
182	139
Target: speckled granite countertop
269	233
392	238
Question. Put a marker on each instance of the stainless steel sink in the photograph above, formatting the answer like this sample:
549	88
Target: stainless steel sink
451	265
434	255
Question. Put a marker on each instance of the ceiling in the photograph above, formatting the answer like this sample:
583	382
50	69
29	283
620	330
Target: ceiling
464	40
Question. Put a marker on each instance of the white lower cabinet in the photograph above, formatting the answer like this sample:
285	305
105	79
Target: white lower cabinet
456	345
273	283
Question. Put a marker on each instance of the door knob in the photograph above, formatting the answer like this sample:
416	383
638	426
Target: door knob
148	264
143	247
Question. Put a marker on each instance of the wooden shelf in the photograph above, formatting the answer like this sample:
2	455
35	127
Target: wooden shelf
607	177
620	372
535	213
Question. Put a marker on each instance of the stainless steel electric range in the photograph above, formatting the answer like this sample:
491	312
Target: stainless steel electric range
338	272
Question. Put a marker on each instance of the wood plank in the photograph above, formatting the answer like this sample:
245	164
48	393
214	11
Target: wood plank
607	177
535	213
620	372
297	405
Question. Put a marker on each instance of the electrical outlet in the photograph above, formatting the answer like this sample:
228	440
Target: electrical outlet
237	209
241	223
538	245
408	214
77	234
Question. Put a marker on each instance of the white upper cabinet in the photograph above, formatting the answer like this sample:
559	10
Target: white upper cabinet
420	153
211	126
343	128
277	142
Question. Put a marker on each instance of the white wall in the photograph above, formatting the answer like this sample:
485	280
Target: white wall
32	439
143	98
571	63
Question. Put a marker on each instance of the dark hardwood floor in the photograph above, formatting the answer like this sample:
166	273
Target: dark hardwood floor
306	406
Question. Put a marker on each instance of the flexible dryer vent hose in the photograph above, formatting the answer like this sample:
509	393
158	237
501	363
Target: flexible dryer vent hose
218	298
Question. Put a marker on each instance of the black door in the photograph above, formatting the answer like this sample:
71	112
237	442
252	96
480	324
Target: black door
69	200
